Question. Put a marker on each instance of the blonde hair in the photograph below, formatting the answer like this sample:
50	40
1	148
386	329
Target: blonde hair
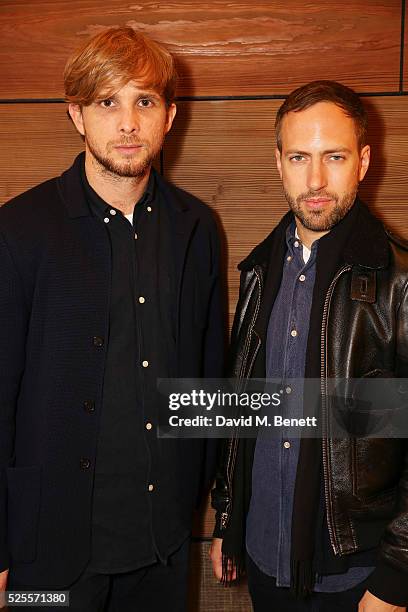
109	60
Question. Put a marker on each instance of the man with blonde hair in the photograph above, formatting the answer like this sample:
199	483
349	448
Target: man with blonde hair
108	281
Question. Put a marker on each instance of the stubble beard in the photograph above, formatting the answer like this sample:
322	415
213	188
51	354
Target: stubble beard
127	168
321	220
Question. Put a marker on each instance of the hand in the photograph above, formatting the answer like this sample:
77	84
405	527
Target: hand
216	558
371	603
3	585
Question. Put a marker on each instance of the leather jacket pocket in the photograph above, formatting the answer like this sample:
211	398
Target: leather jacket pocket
376	465
23	506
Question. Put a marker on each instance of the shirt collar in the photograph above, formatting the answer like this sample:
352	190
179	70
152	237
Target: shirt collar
293	241
102	208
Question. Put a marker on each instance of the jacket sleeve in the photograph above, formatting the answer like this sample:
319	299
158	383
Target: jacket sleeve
389	580
221	493
213	347
13	322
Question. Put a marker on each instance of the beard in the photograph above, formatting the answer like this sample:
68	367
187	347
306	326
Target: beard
321	220
125	168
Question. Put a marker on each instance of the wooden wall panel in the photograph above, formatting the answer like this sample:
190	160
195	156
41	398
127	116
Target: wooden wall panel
223	152
37	142
224	48
206	594
405	73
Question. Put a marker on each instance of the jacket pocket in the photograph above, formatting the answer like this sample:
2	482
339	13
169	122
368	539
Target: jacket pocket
376	467
23	507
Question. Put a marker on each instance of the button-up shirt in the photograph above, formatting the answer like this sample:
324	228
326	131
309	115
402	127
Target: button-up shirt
139	344
269	521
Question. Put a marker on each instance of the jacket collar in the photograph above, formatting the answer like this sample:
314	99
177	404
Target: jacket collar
367	245
73	195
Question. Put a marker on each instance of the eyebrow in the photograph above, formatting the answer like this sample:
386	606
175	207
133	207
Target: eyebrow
327	152
149	94
142	94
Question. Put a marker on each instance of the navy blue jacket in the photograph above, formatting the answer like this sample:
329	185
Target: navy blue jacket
54	314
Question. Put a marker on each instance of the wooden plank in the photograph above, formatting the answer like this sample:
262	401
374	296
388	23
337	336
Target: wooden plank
206	594
405	72
223	153
223	47
37	142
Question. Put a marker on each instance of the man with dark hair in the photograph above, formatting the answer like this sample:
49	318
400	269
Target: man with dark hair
321	524
109	280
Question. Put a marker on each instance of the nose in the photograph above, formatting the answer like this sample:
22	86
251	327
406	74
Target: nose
129	121
317	179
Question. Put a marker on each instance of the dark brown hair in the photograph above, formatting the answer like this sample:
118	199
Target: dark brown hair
325	91
111	59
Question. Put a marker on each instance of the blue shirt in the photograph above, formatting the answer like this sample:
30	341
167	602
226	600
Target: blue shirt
269	521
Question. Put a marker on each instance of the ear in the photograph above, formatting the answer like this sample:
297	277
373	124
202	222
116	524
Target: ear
364	161
75	112
278	158
171	113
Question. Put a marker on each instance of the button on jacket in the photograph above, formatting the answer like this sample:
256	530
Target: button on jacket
55	275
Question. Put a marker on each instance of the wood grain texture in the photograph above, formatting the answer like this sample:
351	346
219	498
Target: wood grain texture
223	47
37	142
223	153
206	594
405	72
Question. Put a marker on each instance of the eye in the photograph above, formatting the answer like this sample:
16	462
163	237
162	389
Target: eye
108	103
145	102
337	157
296	158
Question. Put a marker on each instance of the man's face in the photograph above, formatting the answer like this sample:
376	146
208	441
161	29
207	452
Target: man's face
125	131
321	164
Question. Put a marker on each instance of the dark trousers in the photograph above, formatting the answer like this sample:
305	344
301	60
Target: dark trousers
267	597
154	588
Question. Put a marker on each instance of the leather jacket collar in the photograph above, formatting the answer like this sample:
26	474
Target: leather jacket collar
367	246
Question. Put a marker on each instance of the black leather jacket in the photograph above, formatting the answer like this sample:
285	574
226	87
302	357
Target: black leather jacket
364	332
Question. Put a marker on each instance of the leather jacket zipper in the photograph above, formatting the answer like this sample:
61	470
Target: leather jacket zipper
323	388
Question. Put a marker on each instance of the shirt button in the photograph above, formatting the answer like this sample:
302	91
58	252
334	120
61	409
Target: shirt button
302	277
141	300
286	444
149	209
149	426
135	236
97	341
151	487
145	364
106	219
89	406
296	243
112	212
288	390
293	333
84	463
289	258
